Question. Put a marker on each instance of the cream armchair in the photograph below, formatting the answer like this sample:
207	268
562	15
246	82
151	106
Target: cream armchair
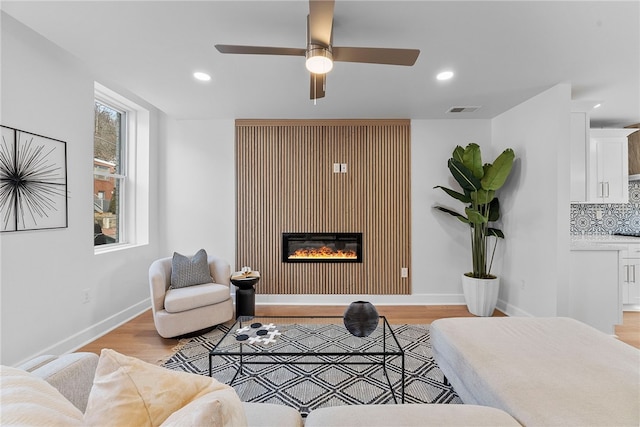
188	309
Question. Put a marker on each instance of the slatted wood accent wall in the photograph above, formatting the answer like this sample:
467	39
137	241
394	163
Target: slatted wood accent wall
285	183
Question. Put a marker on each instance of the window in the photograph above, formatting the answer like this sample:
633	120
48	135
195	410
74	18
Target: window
120	171
109	173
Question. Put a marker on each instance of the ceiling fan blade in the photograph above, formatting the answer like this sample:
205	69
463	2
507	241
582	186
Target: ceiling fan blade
318	82
260	50
320	21
373	55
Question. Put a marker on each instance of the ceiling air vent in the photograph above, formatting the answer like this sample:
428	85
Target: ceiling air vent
462	109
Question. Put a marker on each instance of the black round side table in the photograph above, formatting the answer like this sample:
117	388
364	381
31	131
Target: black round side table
245	295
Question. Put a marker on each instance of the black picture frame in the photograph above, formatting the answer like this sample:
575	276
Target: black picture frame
33	181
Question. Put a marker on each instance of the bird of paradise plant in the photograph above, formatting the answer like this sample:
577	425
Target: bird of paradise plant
479	183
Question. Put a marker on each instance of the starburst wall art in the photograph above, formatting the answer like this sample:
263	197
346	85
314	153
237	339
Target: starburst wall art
33	181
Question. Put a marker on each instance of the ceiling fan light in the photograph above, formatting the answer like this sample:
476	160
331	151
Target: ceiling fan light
319	60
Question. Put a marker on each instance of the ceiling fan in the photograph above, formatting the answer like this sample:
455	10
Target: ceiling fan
320	52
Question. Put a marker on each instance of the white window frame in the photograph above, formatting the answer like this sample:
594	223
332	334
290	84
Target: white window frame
134	208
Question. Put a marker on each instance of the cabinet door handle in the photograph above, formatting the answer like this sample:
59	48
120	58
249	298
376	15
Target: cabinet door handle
604	189
633	267
626	274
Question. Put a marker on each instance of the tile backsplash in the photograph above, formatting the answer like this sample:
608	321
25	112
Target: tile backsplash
608	218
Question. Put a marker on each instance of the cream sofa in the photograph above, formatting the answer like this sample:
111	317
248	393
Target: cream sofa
508	371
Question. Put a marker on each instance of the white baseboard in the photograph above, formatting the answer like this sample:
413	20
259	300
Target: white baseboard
94	331
511	310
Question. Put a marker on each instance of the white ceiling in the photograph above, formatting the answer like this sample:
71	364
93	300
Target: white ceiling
502	52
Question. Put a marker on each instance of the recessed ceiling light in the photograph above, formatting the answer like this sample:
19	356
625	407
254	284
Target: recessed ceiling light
597	106
445	75
204	77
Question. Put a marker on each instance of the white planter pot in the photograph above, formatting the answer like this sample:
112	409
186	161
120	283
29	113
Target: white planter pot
481	295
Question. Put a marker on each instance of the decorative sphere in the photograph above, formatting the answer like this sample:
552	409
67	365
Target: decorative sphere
361	318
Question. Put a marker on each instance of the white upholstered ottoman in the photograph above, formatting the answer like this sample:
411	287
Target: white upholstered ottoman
541	371
409	415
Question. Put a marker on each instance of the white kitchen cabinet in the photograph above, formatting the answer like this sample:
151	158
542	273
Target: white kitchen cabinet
608	171
630	275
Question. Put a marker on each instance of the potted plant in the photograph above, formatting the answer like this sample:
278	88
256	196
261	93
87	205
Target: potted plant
479	183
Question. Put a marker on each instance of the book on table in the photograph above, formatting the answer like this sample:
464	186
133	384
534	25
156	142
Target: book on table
239	275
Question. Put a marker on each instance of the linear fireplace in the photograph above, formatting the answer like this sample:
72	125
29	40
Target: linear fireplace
322	247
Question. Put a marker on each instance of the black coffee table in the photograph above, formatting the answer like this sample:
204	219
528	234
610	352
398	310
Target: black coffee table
315	340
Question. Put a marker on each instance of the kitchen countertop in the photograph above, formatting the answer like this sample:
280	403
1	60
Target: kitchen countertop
602	242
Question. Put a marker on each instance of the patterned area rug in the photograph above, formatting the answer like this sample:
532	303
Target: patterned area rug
307	387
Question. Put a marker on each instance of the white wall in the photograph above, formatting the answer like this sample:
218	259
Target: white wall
43	273
535	205
198	188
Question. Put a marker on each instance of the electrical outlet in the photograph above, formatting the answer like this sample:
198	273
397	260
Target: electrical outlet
404	272
86	296
343	167
336	168
598	213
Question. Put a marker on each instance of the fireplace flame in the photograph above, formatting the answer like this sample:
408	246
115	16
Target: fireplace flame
323	252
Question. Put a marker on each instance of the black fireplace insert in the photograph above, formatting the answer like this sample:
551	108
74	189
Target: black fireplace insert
322	247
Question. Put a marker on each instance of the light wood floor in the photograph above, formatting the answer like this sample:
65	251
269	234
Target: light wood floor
138	337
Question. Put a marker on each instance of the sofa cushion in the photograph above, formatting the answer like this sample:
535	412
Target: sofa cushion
183	299
409	415
27	400
271	414
189	271
128	391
